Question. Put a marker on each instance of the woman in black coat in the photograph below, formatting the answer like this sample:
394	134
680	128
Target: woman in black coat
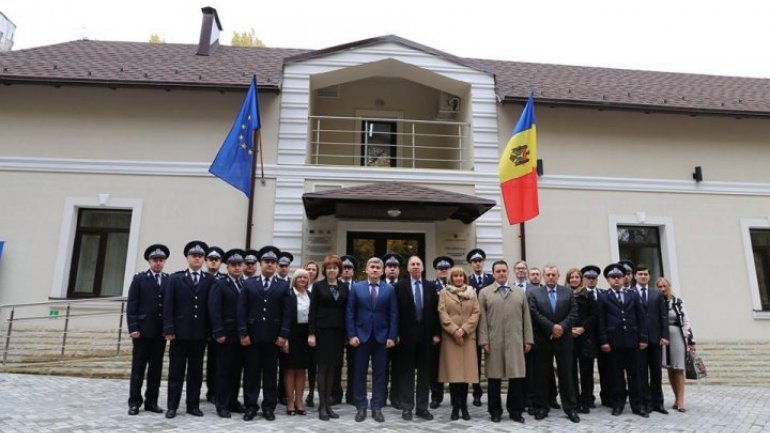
584	349
326	329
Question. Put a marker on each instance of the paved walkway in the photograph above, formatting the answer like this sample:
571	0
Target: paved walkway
47	404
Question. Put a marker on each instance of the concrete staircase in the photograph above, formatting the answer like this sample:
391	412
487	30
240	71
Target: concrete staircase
95	354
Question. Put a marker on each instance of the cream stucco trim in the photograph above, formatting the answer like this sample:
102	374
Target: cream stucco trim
67	237
748	252
667	240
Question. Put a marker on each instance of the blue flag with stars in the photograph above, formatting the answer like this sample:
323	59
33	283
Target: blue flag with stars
233	161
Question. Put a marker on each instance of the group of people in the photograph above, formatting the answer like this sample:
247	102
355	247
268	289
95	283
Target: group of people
416	334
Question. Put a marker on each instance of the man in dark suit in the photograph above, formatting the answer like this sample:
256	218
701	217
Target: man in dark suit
590	276
223	308
213	264
185	325
264	318
144	314
650	359
371	322
554	312
441	264
622	333
478	279
418	332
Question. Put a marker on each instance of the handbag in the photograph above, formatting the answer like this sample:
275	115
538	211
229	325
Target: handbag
695	368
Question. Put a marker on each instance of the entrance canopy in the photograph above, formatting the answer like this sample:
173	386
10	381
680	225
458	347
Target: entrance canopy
395	201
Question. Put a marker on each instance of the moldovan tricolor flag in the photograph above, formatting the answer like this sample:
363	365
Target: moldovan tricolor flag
518	169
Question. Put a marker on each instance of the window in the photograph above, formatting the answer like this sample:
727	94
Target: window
99	253
760	245
378	143
641	245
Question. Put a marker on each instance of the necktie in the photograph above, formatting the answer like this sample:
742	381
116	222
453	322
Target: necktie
373	293
237	285
521	285
157	279
195	278
504	291
620	298
644	295
552	295
266	283
418	300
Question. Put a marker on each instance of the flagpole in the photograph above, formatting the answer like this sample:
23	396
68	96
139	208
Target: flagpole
523	241
252	177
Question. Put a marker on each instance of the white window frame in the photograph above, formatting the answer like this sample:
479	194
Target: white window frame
748	251
68	228
665	227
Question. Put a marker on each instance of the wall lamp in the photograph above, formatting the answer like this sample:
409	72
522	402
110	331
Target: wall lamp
698	174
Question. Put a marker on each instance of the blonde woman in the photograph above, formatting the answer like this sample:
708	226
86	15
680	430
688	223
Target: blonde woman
681	341
458	310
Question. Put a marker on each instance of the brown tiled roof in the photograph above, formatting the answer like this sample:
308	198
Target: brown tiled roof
177	65
414	202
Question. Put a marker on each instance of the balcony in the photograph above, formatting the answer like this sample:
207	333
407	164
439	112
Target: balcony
389	142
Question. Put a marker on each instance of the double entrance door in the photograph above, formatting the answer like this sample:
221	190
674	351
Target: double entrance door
364	245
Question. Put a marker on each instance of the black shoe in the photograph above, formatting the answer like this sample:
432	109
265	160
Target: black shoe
237	408
555	405
495	418
249	414
153	408
360	415
170	413
455	414
573	416
584	409
224	413
424	414
435	404
660	409
464	414
133	410
331	413
477	401
195	412
641	413
517	417
270	416
540	414
616	411
406	415
323	415
309	400
377	415
532	411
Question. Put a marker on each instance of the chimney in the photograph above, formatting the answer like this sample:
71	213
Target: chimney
210	29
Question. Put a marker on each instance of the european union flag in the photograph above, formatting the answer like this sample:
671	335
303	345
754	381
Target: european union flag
233	161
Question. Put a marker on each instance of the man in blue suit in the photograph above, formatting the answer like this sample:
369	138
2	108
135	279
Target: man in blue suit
372	327
622	333
264	317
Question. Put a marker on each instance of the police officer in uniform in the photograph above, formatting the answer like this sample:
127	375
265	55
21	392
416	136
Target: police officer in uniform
223	308
441	265
144	314
264	318
622	333
250	264
391	275
284	264
185	325
347	276
590	277
213	263
478	279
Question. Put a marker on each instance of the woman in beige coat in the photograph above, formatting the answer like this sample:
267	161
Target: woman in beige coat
458	310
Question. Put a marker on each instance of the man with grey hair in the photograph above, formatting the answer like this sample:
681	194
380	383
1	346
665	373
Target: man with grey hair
371	321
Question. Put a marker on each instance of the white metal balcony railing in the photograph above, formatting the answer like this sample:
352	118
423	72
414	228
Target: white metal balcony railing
361	141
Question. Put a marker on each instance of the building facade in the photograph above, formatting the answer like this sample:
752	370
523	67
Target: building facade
374	146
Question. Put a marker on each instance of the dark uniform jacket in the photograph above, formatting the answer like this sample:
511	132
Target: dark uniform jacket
621	325
264	315
486	280
185	312
144	308
223	310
